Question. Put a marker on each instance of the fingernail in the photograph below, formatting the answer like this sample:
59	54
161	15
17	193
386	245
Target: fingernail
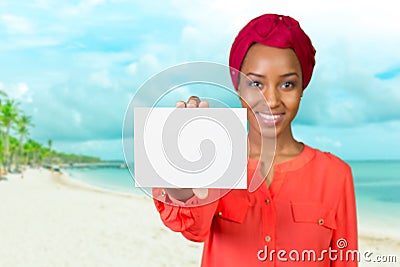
194	98
180	103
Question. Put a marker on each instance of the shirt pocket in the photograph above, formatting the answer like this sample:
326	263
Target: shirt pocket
232	208
313	213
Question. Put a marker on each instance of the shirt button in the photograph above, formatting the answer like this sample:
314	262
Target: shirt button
267	201
321	221
267	238
163	193
220	213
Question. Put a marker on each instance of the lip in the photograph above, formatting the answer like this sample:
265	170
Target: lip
269	119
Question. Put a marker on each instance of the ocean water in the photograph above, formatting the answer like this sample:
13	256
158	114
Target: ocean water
115	179
377	186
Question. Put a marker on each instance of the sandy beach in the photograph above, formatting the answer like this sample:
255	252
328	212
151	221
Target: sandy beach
49	219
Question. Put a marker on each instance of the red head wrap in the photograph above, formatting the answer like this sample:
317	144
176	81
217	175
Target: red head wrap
276	31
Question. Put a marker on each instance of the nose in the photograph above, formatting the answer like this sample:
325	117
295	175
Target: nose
272	96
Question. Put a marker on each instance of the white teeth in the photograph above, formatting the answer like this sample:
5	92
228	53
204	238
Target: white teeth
269	117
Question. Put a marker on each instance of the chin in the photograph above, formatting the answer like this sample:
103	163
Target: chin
269	133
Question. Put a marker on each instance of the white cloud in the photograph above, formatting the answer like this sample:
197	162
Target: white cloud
77	117
43	4
132	68
19	91
103	60
342	21
83	7
93	2
326	141
22	89
368	141
31	42
190	34
150	60
101	78
146	66
16	24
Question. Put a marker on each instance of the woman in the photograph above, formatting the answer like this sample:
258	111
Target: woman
304	213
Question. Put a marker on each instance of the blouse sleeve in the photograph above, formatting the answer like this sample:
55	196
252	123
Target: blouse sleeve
194	222
345	237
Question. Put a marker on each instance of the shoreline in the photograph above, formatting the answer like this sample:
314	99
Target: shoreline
68	180
388	242
371	239
52	219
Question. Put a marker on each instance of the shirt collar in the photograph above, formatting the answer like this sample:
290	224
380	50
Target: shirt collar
305	156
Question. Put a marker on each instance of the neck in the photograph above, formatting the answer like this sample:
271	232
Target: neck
263	148
286	144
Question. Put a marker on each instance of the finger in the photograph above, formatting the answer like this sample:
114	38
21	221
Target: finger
194	98
204	104
201	193
180	104
191	104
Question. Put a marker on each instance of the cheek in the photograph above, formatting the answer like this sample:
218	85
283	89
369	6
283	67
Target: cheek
292	101
250	115
250	98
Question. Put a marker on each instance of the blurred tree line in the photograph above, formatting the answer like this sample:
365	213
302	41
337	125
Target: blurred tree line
17	149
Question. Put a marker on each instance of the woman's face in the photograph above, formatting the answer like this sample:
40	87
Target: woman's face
275	89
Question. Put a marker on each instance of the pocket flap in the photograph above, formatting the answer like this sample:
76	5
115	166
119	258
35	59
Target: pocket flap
313	213
232	208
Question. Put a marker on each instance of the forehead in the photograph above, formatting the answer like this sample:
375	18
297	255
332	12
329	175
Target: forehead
260	55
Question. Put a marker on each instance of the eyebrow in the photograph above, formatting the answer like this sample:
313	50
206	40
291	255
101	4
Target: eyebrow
289	74
255	74
283	75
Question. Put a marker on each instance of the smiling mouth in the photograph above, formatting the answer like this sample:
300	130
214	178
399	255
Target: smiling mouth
270	119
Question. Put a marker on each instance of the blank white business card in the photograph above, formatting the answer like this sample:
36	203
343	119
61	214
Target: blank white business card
190	148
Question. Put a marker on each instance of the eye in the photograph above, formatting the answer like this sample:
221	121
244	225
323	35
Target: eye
255	84
288	85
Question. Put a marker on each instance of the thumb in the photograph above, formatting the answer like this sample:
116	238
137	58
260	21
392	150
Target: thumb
201	193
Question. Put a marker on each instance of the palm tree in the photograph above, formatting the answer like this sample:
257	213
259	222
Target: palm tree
8	116
3	95
49	144
23	122
28	151
33	152
13	148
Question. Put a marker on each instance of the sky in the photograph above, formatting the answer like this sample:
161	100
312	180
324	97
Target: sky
75	65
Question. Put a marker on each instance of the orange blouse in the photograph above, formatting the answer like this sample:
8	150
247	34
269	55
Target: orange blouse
307	217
